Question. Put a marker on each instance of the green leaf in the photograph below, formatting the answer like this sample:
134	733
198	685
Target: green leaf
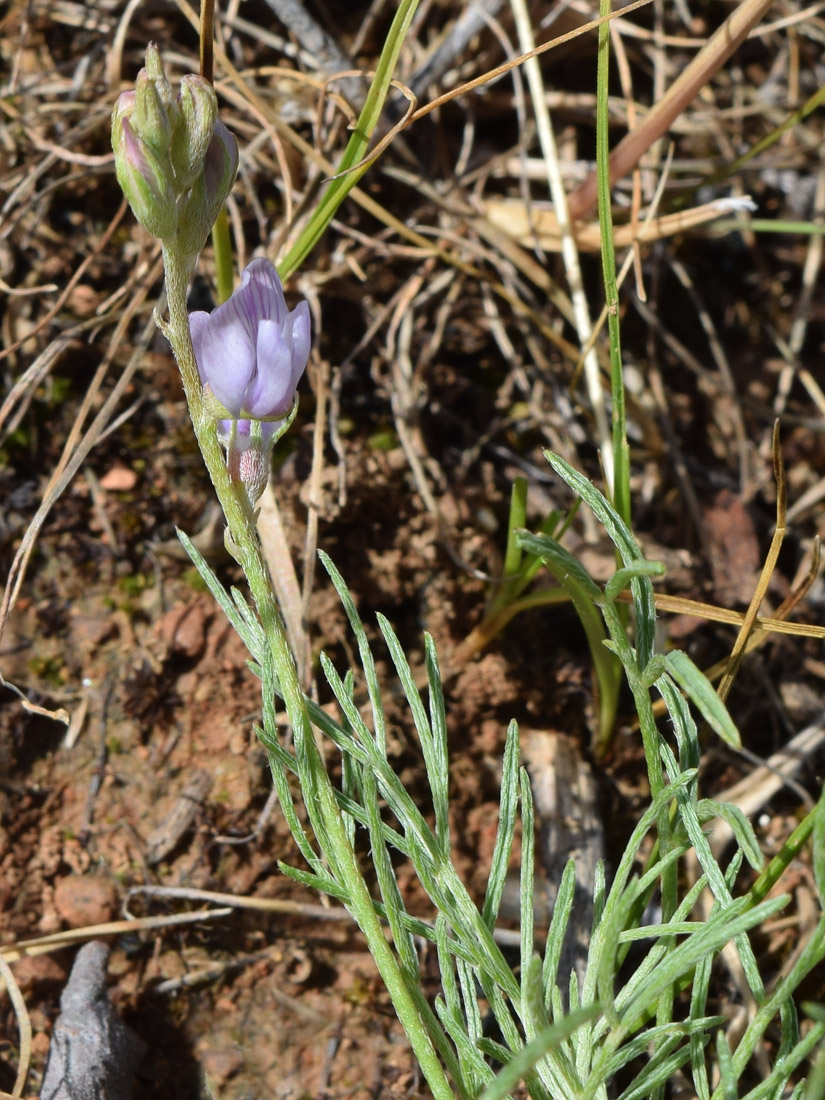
629	551
708	808
726	1070
564	565
622	577
818	840
508	803
700	690
526	1058
558	927
584	594
358	144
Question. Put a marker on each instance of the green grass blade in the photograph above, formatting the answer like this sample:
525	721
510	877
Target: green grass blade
621	453
358	144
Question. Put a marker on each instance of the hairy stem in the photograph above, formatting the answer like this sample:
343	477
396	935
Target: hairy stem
316	787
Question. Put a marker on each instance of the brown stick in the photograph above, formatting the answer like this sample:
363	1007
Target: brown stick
207	39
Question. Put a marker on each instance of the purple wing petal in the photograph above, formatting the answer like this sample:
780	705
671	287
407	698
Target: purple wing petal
197	324
226	359
299	322
271	390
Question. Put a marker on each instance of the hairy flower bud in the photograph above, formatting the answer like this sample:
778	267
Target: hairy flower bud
155	70
200	208
175	160
248	446
150	118
198	106
144	179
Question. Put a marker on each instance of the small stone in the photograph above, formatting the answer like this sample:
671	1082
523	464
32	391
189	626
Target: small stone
83	300
85	899
91	630
232	788
184	630
34	970
120	479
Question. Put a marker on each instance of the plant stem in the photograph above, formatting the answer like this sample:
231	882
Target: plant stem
316	787
222	245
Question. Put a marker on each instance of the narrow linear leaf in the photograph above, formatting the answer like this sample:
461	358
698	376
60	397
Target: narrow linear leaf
693	681
520	1064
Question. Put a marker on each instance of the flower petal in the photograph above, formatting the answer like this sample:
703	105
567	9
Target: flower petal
271	390
262	292
252	351
197	324
299	324
225	351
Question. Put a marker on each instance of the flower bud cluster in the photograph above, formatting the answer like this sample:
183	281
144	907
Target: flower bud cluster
175	160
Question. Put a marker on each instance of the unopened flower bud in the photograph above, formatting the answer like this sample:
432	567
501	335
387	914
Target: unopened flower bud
124	107
198	107
199	210
144	179
150	118
175	160
153	65
248	446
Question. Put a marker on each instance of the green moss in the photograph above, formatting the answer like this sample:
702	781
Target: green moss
194	580
383	440
133	584
359	993
59	389
47	669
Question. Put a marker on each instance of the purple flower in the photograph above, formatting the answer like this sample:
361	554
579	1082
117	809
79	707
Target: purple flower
251	351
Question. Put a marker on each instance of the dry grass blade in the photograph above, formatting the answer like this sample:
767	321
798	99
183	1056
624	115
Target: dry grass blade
568	244
45	945
278	558
100	245
76	448
763	627
500	70
678	605
542	225
23	1024
206	36
765	576
753	792
390	136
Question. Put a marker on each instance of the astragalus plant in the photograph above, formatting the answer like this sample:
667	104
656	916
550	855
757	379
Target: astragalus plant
642	1011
